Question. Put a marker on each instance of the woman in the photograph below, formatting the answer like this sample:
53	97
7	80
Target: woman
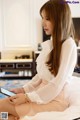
55	65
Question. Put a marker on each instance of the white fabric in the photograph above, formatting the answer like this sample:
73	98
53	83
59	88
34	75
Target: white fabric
55	84
73	92
34	97
31	85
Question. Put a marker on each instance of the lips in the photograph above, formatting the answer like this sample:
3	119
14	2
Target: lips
45	29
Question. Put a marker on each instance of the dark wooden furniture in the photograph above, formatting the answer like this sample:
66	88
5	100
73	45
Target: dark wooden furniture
78	62
17	68
37	53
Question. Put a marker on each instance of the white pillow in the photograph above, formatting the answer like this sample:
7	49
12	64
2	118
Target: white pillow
72	91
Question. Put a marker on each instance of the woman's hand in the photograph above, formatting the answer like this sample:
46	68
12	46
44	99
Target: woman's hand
18	99
17	90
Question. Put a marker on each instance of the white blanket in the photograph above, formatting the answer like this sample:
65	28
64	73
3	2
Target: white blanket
70	113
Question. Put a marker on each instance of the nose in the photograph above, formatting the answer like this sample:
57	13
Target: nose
43	23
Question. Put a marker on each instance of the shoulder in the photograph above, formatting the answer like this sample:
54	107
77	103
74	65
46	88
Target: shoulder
69	43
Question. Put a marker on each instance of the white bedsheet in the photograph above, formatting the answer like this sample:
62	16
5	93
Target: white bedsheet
70	113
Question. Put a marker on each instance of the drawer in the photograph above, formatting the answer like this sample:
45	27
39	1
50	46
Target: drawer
23	65
7	65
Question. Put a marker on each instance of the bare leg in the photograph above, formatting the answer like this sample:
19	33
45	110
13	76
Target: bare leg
6	106
11	117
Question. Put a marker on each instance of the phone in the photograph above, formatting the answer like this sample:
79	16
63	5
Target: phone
6	92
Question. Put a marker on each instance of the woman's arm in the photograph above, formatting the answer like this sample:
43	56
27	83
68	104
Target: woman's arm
54	87
28	87
32	84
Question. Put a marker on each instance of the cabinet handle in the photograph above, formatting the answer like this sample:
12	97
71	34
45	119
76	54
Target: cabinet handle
23	65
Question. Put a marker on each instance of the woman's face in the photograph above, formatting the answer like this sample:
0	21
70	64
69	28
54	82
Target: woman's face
47	25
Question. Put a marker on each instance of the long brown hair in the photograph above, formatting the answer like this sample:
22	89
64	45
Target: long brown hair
60	16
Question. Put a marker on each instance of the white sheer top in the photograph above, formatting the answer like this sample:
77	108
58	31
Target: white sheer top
54	85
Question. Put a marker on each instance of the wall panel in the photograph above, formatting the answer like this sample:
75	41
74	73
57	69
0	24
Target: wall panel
20	23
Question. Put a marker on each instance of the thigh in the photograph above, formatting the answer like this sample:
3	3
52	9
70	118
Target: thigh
60	103
31	109
6	106
11	117
54	105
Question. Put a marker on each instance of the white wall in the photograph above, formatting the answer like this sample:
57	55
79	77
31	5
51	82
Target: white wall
20	23
1	25
75	8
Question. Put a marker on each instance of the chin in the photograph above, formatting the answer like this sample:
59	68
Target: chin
47	33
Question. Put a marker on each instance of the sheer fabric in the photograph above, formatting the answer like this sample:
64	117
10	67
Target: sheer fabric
53	85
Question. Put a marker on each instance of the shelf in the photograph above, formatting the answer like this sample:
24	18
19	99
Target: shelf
24	68
21	68
15	60
16	74
15	77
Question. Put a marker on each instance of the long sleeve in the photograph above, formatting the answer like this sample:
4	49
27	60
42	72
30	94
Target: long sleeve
32	84
54	87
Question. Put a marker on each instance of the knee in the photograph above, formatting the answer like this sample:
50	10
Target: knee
3	103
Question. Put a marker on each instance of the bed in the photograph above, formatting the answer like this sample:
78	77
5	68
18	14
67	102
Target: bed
72	112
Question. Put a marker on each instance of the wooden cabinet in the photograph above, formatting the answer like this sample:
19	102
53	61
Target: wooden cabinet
37	54
17	68
78	61
7	65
